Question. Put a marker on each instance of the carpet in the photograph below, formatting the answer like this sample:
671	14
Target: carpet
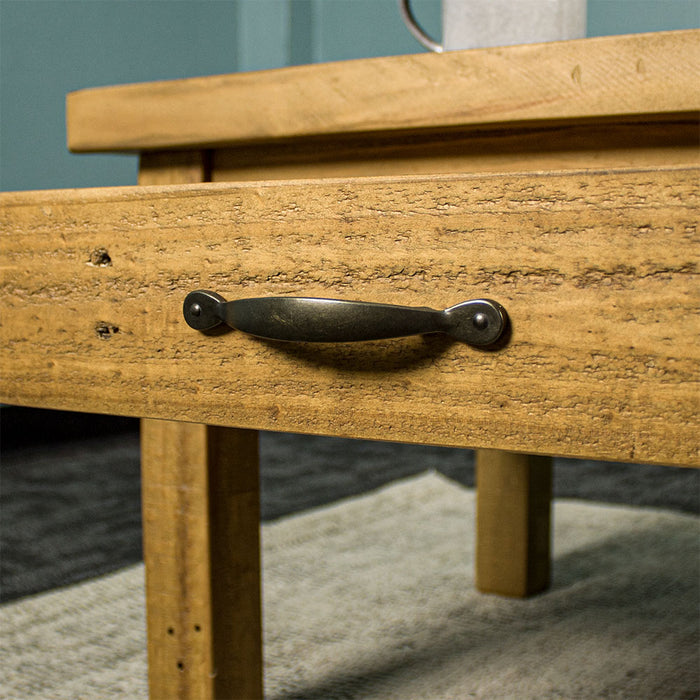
70	510
373	597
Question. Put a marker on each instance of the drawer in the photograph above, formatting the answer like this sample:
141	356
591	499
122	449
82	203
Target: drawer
596	269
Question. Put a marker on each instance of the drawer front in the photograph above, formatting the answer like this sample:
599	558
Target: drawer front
597	271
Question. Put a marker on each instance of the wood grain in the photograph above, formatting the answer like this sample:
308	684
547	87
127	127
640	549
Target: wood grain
597	77
598	271
201	515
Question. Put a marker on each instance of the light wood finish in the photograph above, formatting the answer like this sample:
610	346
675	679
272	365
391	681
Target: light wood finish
598	77
514	493
201	523
598	271
201	515
632	142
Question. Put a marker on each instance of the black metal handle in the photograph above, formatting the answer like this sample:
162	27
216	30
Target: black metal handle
304	319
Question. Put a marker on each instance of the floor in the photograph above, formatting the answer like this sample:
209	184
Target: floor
70	491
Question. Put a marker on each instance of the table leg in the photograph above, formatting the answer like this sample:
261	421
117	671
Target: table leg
514	493
201	520
201	516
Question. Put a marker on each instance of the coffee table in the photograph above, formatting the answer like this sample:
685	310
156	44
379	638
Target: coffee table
560	180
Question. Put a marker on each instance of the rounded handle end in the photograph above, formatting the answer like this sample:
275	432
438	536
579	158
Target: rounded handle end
478	322
202	310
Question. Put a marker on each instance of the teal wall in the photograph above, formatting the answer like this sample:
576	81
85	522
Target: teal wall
50	47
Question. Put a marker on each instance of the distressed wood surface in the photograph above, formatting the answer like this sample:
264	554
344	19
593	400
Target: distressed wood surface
598	271
596	77
201	529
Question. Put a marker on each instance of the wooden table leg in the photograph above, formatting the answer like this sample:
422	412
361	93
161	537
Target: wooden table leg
514	493
201	520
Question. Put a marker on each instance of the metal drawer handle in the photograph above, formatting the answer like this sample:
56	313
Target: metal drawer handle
303	319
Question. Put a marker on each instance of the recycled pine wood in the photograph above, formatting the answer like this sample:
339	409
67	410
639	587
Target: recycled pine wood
597	269
588	78
201	520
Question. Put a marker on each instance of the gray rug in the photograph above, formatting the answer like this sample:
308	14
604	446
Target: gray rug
71	510
373	598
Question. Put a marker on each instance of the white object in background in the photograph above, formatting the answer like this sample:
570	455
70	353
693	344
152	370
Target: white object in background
472	24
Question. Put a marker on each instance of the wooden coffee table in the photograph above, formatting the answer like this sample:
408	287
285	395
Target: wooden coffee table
560	180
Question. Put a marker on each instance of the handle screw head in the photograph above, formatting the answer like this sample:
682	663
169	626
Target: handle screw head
480	321
195	309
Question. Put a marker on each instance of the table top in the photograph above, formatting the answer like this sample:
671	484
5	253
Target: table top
602	77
